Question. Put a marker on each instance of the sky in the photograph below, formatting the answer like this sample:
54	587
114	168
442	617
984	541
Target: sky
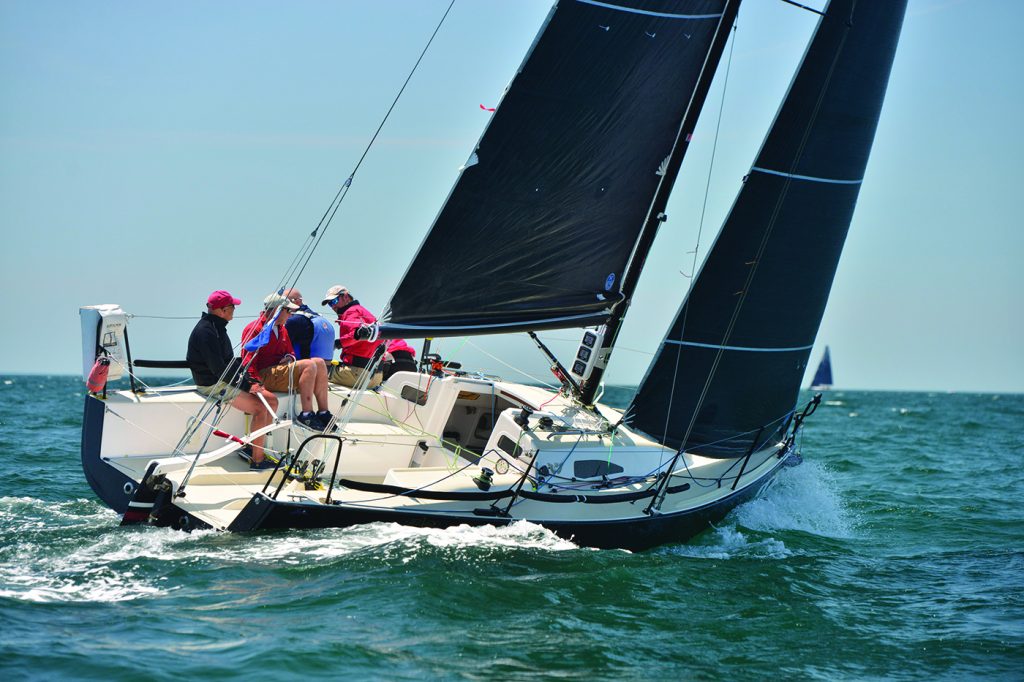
153	152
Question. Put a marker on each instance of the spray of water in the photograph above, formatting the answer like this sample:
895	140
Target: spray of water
804	498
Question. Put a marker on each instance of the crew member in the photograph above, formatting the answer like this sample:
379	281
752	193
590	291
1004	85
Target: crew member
217	372
403	358
274	365
311	333
355	354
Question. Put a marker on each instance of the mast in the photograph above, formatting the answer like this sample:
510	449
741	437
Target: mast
656	214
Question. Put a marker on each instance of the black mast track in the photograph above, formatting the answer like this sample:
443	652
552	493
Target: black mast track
656	215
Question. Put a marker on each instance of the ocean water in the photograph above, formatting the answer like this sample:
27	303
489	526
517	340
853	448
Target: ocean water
896	551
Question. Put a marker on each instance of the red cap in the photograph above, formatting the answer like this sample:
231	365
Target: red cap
220	299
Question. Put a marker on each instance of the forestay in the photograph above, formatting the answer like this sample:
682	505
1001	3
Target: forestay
728	372
543	218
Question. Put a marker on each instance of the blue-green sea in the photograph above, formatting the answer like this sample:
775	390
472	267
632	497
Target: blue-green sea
895	552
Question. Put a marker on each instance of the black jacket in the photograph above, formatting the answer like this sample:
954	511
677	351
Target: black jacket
209	352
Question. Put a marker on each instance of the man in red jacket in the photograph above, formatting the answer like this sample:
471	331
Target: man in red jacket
274	365
355	354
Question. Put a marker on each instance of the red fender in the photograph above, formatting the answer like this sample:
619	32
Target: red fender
98	375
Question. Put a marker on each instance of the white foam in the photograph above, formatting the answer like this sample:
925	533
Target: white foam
81	569
521	534
396	541
803	498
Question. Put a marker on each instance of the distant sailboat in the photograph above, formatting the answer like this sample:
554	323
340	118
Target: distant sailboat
823	376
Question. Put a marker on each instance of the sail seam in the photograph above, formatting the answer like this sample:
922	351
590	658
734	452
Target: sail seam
633	10
810	178
743	348
545	320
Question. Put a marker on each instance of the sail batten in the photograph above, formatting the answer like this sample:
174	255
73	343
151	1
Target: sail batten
635	10
746	349
539	227
809	178
766	279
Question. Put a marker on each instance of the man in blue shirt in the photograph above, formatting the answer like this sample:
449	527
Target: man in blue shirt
312	334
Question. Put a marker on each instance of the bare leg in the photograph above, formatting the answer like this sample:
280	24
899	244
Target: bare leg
305	377
250	404
320	387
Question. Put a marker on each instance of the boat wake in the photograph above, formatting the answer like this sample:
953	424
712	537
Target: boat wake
393	542
72	552
67	552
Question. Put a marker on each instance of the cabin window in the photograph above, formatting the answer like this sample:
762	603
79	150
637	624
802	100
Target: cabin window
592	468
414	395
509	447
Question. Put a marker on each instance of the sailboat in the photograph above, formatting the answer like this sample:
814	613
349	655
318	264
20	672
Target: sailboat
549	226
822	380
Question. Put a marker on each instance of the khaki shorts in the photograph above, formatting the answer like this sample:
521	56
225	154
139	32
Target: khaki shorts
348	375
276	377
230	392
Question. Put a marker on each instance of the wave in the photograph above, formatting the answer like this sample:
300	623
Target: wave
726	541
73	552
804	498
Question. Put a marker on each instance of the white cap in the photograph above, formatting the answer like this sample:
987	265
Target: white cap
333	293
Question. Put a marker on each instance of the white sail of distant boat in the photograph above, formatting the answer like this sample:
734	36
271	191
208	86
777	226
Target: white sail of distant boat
822	380
550	228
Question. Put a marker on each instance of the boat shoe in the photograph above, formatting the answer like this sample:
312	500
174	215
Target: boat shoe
325	417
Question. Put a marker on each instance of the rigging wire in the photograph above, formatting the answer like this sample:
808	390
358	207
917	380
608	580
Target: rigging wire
700	231
755	263
541	382
317	235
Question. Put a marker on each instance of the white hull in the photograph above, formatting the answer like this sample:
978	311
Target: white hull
410	462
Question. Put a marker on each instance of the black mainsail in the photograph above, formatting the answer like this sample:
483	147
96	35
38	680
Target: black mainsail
728	372
540	225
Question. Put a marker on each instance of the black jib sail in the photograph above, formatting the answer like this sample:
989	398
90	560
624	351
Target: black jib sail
537	231
727	374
